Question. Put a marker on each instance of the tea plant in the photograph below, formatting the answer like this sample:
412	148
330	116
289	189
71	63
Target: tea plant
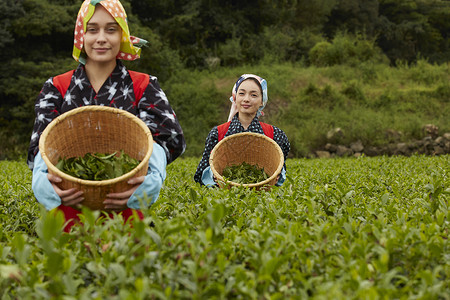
367	228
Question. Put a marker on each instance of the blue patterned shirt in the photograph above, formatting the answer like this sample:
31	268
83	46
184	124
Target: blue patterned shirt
236	127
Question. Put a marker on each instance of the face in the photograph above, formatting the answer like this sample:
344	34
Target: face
248	97
102	37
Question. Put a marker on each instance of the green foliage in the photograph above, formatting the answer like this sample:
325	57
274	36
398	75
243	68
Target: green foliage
353	16
157	58
17	204
305	102
408	29
19	93
9	10
195	47
230	52
34	24
244	173
98	166
197	104
365	102
345	49
338	228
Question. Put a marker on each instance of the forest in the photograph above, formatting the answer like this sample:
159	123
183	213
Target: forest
197	46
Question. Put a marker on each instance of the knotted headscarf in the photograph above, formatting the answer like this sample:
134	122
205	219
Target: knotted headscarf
262	83
130	45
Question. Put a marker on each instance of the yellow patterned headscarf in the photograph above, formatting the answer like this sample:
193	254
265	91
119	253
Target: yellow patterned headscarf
130	45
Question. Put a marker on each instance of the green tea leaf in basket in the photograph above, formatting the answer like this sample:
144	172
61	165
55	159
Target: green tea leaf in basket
98	166
244	173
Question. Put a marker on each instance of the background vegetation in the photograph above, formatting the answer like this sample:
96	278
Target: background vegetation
364	66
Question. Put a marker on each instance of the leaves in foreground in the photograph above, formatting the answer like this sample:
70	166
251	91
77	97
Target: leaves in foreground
367	228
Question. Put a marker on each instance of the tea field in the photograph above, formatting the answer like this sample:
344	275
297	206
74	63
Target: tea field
351	228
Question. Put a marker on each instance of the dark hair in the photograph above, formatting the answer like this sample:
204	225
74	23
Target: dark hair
255	80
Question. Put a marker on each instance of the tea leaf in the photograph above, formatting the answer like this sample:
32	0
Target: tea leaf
244	173
98	166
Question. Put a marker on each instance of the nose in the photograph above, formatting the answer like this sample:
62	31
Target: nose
101	37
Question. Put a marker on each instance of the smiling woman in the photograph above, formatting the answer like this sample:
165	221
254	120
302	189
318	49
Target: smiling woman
249	97
101	40
101	44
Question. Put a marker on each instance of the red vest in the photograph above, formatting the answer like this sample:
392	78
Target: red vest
140	82
223	128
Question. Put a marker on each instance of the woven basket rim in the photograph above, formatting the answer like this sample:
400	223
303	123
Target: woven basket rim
82	109
250	185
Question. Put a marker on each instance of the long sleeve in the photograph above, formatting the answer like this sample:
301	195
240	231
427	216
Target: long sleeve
118	92
203	173
282	140
155	110
148	191
211	141
47	107
41	186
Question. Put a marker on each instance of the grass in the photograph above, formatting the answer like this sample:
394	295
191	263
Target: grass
365	101
367	228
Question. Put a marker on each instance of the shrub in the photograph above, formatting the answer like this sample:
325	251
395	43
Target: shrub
276	45
197	104
230	52
354	92
443	91
345	49
319	54
363	228
426	73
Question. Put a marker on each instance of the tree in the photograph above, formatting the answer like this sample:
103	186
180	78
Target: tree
354	16
409	29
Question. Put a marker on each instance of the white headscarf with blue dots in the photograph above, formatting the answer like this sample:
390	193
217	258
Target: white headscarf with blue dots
262	83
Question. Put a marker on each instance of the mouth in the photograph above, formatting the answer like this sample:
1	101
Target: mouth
101	49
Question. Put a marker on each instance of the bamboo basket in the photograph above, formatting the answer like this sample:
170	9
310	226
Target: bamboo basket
252	148
91	129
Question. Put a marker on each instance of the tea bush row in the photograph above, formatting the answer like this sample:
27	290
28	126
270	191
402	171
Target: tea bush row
366	228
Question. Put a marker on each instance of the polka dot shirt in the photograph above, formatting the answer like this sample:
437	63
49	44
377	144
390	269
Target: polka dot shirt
236	127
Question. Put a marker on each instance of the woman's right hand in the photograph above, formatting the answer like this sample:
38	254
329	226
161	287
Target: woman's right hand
70	197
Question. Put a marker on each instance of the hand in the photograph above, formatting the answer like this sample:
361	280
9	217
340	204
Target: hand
70	197
118	201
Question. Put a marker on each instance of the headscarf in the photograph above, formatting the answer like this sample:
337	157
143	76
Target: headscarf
262	83
130	45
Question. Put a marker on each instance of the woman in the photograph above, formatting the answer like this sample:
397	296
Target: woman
249	97
102	39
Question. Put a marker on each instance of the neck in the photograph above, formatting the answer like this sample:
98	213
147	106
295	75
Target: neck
246	119
98	72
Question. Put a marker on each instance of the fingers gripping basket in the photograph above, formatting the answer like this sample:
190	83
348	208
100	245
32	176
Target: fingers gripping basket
253	148
91	129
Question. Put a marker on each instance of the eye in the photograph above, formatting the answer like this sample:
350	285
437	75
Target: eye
112	29
91	29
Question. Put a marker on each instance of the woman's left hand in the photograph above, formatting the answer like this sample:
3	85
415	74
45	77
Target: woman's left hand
118	201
